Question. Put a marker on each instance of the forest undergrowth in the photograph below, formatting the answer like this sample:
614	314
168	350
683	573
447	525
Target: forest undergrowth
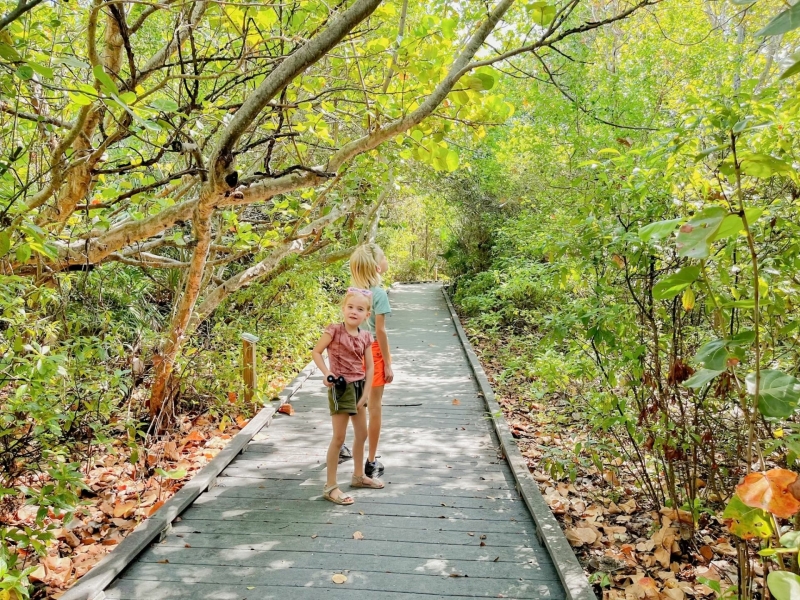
629	546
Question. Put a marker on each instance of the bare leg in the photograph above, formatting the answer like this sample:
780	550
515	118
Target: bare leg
339	423
375	407
360	433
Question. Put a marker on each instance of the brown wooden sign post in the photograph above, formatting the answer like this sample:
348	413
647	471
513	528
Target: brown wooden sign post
249	365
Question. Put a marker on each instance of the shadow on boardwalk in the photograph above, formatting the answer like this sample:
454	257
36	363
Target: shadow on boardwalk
449	523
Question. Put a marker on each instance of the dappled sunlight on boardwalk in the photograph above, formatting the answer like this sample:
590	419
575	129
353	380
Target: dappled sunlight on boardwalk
449	523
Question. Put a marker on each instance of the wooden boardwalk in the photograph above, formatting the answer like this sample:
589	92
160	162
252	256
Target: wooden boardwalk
449	523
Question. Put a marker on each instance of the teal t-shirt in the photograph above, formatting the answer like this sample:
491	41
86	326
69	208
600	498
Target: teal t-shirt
380	306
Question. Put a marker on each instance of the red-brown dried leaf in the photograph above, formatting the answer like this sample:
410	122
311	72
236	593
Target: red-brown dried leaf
770	491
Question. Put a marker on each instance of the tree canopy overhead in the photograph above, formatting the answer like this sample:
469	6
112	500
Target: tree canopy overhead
133	127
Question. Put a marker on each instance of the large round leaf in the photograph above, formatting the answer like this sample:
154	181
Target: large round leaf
784	585
770	491
778	393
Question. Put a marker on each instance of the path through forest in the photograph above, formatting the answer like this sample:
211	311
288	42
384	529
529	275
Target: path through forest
449	523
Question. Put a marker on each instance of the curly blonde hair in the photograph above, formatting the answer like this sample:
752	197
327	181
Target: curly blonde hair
364	264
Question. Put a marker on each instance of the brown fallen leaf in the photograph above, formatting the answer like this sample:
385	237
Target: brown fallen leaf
124	509
358	535
338	578
286	409
578	536
194	436
154	508
707	552
313	537
163	562
456	402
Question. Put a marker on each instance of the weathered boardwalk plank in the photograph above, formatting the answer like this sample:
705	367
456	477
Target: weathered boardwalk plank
448	525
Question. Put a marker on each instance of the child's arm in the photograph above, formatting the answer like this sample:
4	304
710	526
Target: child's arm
370	368
316	354
383	344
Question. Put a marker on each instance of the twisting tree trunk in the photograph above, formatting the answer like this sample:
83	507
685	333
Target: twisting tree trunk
222	162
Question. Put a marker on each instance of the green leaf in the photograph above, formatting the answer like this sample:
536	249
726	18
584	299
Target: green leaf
449	27
743	338
417	135
746	522
5	242
176	474
709	151
658	230
702	377
785	21
45	72
23	253
784	585
543	13
763	166
165	105
790	539
128	97
108	85
672	285
479	82
451	160
712	583
792	70
733	224
9	53
694	237
713	355
80	99
25	72
778	393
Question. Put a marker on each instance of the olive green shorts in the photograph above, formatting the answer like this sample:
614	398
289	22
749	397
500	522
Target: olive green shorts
344	402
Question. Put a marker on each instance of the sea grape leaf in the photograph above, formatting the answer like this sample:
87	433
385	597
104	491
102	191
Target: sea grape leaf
747	522
658	230
672	285
784	585
778	392
769	491
694	237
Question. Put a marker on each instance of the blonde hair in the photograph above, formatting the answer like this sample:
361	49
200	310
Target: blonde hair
364	265
349	294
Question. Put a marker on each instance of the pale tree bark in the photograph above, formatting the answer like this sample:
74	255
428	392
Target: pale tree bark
79	179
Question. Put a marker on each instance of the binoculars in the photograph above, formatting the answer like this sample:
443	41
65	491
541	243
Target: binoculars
339	382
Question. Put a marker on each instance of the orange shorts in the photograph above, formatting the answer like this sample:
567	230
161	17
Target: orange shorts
377	359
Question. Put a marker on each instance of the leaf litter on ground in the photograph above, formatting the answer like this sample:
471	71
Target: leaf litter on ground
119	495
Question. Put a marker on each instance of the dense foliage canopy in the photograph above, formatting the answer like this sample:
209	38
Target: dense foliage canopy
611	186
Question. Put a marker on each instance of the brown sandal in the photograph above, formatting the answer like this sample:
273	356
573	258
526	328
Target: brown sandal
342	500
358	482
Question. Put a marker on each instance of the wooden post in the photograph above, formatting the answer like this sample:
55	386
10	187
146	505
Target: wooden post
249	365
